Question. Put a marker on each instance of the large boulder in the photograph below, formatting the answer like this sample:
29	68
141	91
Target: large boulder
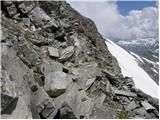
56	83
39	17
26	7
86	74
78	102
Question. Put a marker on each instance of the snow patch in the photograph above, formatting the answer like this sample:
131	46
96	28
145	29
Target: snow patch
129	67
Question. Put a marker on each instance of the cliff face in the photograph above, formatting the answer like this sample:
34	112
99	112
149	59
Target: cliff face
55	64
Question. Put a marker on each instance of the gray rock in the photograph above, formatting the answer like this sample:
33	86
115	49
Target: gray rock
14	85
12	10
7	3
84	105
60	35
132	105
140	111
39	41
39	17
66	112
147	106
100	100
129	82
63	45
20	111
102	86
46	68
156	112
66	53
89	82
44	104
26	6
6	102
124	93
53	52
17	17
113	79
80	104
56	83
26	21
26	53
64	24
32	84
153	101
51	26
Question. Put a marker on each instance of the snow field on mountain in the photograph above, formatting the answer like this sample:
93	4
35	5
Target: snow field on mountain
130	68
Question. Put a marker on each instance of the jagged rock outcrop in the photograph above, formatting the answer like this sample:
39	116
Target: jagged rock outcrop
55	64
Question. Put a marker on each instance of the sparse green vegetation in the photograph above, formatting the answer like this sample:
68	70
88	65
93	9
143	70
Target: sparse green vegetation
122	114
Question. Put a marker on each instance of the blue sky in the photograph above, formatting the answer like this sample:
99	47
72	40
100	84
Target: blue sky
114	22
125	6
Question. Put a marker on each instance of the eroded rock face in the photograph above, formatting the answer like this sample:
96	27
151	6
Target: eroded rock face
55	64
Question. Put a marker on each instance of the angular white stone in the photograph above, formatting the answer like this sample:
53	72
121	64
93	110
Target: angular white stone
124	93
53	52
147	106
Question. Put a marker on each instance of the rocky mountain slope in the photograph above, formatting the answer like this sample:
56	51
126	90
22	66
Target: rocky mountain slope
55	64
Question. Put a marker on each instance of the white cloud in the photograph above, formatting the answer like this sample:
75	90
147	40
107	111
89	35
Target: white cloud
139	23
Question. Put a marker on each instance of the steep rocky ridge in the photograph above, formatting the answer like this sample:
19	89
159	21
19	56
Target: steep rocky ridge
55	64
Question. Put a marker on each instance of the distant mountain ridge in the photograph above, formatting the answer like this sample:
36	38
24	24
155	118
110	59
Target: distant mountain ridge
145	47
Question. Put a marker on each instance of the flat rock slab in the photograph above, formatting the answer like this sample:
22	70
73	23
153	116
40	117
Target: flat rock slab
132	105
147	106
53	52
89	82
124	93
56	83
